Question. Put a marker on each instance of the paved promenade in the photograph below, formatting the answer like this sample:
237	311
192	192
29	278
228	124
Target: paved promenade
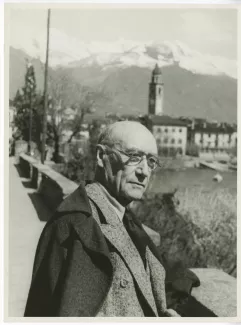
26	211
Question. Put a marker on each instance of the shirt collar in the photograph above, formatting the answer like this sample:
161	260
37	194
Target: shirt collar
120	210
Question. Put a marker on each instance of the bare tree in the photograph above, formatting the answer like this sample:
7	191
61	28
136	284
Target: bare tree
66	93
88	104
55	114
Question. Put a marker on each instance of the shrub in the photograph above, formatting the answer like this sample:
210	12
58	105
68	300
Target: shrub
192	149
197	228
74	167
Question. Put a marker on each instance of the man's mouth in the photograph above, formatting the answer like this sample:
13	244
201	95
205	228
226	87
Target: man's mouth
138	184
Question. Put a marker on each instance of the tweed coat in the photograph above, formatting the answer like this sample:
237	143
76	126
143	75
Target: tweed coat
72	270
130	279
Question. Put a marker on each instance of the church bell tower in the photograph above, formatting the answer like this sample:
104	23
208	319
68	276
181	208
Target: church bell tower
156	92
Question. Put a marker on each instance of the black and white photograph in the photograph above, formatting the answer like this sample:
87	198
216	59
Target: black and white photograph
122	158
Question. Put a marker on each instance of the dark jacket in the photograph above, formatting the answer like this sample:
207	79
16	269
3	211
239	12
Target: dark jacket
72	271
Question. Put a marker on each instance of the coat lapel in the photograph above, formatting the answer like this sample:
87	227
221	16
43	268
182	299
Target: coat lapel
117	235
157	277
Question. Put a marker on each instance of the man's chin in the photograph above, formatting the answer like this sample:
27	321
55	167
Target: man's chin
134	195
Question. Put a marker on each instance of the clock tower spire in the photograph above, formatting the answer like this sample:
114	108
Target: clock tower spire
156	92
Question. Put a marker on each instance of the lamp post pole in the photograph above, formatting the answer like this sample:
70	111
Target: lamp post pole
30	123
45	93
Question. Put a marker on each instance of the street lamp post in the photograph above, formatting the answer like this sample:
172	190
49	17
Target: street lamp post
30	123
45	93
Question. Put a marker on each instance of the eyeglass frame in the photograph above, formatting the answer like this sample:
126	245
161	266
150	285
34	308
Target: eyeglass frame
143	155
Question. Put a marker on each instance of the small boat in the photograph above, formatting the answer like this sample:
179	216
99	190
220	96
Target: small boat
215	165
233	167
218	178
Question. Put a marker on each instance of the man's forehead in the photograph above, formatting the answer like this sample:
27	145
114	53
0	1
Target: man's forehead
135	135
142	144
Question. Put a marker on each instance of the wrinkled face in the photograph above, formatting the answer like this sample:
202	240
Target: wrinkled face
124	180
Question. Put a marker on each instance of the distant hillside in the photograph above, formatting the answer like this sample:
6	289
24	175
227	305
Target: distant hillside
185	93
17	70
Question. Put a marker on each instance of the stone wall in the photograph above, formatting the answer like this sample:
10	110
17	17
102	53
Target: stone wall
20	147
218	291
52	186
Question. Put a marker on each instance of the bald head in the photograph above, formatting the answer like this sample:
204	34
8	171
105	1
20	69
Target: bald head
129	134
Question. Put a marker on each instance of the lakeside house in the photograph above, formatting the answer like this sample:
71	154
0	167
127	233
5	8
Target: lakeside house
170	133
214	139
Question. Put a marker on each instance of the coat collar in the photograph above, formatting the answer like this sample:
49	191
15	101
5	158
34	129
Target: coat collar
78	202
119	209
77	207
75	202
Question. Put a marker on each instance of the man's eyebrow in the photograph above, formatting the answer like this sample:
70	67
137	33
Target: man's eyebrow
134	149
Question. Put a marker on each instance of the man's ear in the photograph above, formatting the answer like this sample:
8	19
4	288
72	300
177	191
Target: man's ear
100	152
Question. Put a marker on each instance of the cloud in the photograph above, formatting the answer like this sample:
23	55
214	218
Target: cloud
207	30
211	31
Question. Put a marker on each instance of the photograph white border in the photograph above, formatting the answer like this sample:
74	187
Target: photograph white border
4	155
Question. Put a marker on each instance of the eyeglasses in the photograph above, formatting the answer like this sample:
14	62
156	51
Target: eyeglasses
136	158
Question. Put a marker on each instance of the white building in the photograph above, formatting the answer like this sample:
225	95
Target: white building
12	128
212	138
170	133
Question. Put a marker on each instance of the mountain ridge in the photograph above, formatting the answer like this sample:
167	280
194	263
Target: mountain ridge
66	50
185	93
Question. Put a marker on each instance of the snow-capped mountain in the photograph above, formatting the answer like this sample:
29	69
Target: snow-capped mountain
67	51
186	93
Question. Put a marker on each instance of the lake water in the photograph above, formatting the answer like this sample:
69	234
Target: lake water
168	180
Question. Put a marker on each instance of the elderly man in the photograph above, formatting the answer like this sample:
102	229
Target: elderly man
93	257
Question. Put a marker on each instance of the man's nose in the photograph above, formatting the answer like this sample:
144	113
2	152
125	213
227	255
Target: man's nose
143	168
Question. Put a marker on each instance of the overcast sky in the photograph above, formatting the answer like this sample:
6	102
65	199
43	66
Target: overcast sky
211	31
